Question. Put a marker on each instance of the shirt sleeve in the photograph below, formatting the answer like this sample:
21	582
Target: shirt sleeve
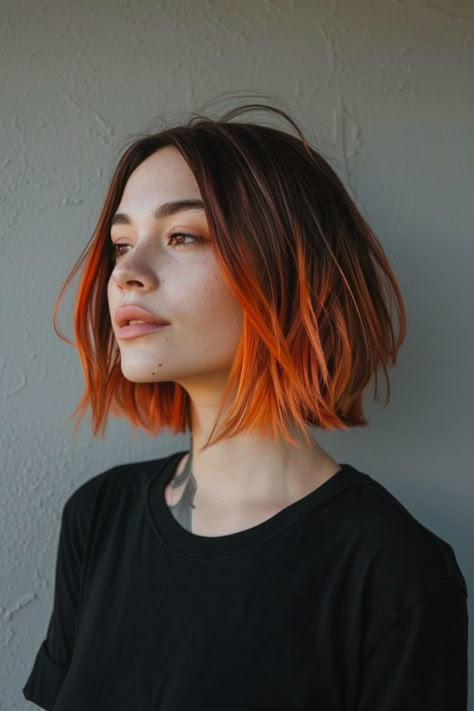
54	655
420	663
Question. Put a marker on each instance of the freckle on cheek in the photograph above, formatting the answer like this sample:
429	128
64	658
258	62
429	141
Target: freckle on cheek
159	365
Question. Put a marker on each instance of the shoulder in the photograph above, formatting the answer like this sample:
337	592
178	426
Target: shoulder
391	563
396	560
123	481
394	539
396	535
382	542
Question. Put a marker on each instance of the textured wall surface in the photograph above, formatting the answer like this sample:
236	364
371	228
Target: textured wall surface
384	88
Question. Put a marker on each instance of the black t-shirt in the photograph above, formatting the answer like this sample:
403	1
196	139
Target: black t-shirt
342	601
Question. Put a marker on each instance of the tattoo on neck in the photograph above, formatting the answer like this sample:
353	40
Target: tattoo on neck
182	509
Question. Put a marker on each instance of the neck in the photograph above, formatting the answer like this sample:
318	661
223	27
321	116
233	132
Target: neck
250	468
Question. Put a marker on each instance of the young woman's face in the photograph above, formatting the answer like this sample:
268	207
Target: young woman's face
165	269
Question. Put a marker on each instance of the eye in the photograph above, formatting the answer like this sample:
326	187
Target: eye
177	239
117	250
181	236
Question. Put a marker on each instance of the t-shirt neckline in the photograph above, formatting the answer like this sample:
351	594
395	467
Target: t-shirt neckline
188	544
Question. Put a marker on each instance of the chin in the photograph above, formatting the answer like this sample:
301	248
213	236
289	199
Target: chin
142	374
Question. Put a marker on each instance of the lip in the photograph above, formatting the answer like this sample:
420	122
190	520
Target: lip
129	312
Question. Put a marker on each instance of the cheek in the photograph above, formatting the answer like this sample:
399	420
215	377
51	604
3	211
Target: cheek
110	296
225	310
113	301
209	309
219	296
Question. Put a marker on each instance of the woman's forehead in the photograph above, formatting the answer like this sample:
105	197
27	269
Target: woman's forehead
162	177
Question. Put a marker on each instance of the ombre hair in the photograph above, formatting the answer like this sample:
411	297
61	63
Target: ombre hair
319	297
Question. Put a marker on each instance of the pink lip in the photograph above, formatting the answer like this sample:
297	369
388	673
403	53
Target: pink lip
128	312
135	330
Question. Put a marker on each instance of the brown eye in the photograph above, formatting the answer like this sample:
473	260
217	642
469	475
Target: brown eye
179	238
117	250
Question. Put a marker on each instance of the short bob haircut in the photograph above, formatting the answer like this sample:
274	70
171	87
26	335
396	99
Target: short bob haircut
312	278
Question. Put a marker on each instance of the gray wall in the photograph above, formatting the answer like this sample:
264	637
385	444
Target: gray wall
385	88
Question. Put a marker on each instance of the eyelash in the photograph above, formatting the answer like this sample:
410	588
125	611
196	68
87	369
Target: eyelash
115	246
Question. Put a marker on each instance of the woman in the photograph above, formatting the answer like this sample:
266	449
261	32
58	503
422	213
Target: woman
233	289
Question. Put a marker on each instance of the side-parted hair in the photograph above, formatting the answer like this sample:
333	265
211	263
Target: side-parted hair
319	297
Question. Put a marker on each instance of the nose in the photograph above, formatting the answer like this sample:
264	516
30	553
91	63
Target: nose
133	270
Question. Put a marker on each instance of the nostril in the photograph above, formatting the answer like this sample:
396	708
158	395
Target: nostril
130	274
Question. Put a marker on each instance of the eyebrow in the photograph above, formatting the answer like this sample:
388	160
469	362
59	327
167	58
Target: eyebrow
165	210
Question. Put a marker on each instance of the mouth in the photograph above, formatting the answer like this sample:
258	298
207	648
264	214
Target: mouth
137	328
134	321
